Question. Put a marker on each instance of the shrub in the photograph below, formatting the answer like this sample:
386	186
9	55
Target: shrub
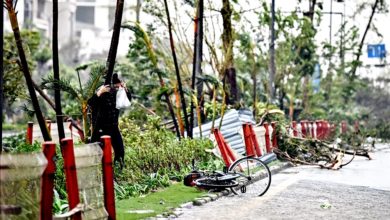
154	156
17	144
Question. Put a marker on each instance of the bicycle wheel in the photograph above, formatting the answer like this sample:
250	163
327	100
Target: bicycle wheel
255	176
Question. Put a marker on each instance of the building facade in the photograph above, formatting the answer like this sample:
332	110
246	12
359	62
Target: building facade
85	26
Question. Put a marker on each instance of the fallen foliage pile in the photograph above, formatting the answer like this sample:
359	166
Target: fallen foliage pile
323	153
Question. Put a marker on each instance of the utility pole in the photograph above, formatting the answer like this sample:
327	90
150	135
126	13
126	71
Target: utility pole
272	54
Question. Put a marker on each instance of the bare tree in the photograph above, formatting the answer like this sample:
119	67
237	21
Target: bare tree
10	6
1	76
359	52
182	97
229	77
197	62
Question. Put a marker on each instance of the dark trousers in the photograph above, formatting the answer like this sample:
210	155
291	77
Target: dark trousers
116	140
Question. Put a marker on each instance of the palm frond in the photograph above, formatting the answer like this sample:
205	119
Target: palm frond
141	33
64	85
95	80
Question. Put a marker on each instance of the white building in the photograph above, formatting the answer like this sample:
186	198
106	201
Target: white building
85	26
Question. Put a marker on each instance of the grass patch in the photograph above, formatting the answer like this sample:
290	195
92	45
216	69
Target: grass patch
14	127
158	202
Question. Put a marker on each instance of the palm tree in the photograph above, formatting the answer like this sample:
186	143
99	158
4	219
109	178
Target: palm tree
10	6
81	94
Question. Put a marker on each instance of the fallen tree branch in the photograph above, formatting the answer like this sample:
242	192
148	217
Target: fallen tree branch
282	154
362	153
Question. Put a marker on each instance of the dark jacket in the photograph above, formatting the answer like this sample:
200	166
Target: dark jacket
103	109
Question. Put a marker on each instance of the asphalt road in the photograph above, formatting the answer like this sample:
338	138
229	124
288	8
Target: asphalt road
360	190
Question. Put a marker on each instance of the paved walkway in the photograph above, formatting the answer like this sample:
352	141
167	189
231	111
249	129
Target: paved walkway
360	190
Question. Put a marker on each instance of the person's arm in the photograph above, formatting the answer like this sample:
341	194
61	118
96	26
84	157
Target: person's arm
95	98
93	101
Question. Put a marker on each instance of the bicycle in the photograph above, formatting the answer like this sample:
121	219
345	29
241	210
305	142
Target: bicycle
248	175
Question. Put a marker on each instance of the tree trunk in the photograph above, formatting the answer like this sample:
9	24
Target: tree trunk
56	71
254	80
183	101
197	65
44	96
228	68
214	107
231	86
359	52
114	41
178	113
138	10
26	71
272	67
1	76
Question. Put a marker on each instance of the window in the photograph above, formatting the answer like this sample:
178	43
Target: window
85	14
111	16
41	8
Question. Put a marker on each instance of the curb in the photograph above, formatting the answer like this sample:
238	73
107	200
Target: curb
213	196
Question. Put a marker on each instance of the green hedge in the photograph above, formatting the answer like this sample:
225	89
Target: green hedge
154	157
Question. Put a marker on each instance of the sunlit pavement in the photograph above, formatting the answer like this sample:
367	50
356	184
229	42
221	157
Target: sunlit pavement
360	190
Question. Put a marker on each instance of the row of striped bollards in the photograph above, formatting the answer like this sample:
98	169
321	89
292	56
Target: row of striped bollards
73	124
319	129
252	146
270	139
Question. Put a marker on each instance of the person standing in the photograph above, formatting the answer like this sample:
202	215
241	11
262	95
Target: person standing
105	116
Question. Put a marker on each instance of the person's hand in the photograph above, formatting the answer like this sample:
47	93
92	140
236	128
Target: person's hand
103	89
124	86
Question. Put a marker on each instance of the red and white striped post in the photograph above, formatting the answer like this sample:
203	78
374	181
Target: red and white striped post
303	128
29	135
47	181
294	127
319	129
274	135
327	129
313	130
72	187
255	143
108	177
248	140
267	138
227	154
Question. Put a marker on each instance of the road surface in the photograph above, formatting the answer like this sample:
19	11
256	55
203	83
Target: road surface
360	190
